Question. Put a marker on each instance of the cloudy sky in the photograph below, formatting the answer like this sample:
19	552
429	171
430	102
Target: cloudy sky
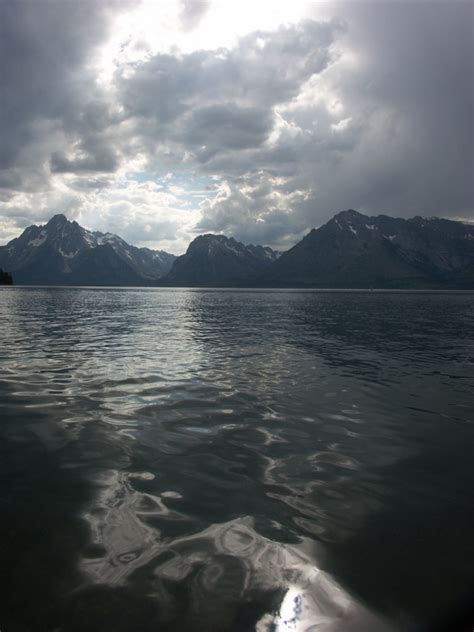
259	119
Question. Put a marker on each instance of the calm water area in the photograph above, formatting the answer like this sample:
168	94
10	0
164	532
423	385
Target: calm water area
232	460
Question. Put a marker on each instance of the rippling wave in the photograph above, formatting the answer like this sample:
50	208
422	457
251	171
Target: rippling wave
232	460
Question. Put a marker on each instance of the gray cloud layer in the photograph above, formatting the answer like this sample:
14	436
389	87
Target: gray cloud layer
370	110
192	11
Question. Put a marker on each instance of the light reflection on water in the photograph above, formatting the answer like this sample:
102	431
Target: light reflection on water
237	460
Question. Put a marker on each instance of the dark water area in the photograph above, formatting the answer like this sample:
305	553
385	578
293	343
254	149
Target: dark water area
235	460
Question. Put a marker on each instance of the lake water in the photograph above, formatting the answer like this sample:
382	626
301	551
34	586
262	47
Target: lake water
235	460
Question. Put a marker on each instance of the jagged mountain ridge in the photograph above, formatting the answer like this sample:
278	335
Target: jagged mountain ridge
63	252
353	250
214	260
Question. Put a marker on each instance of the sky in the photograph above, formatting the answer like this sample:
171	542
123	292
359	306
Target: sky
257	119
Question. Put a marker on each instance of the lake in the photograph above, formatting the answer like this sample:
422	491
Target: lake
231	460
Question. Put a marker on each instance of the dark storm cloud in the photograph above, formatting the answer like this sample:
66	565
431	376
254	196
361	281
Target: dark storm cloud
226	126
49	95
415	86
37	55
102	159
408	147
264	69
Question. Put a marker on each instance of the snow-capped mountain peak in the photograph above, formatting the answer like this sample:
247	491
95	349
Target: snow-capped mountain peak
59	249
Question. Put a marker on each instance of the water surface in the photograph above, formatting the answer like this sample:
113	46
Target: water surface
235	460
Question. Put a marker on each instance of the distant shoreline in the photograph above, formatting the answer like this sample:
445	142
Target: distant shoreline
251	289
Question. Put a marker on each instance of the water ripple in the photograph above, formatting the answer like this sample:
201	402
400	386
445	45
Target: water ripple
235	449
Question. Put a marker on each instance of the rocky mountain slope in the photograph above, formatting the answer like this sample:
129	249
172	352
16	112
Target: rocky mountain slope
350	251
64	253
216	260
356	251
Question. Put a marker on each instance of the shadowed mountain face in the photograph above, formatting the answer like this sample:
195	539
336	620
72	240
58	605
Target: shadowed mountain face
354	250
350	251
65	253
213	260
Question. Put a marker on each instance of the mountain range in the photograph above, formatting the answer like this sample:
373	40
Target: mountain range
351	250
64	253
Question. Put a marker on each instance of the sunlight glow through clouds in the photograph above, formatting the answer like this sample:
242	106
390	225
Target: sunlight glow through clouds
257	119
152	27
155	26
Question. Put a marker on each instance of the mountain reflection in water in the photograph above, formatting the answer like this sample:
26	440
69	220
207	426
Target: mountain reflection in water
235	460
